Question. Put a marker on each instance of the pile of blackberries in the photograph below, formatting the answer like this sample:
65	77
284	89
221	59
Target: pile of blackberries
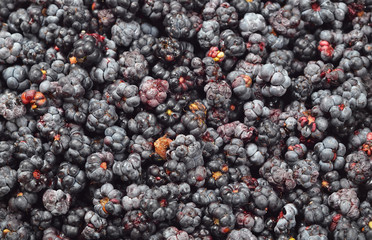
186	119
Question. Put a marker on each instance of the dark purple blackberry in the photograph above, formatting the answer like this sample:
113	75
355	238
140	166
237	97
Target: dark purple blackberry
32	52
160	203
169	112
287	21
168	50
268	134
23	201
124	9
235	194
243	6
101	116
76	111
187	150
155	10
65	39
305	173
27	146
87	51
256	155
16	78
137	225
302	88
79	146
264	199
317	12
176	171
358	167
189	216
70	178
122	95
346	229
142	146
144	123
73	222
56	202
197	176
274	79
312	231
95	226
330	153
254	111
346	202
295	152
217	172
217	93
116	139
124	33
331	45
105	71
78	18
133	66
219	218
41	219
174	233
232	44
235	152
153	91
181	79
286	219
250	221
240	84
236	129
352	61
134	194
208	35
10	47
42	72
50	122
26	21
107	201
312	127
305	47
34	174
156	176
129	169
178	25
53	234
98	167
316	213
145	45
8	180
354	92
252	23
12	227
6	7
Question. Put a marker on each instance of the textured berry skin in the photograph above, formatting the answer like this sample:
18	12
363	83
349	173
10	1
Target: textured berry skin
331	154
241	234
286	219
16	78
10	47
153	91
219	219
8	180
275	80
129	169
137	225
189	216
358	167
70	178
123	95
98	167
101	115
235	194
107	201
124	33
144	123
312	232
56	201
346	202
133	66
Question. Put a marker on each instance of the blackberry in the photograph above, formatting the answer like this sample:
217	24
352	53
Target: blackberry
123	95
354	92
250	221
236	129
286	219
32	52
137	225
187	150
331	154
178	25
346	229
189	216
287	21
312	232
87	51
243	7
8	180
254	111
70	178
10	47
23	201
302	88
142	146
232	44
105	71
129	169
317	12
79	146
204	196
357	167
217	93
316	213
77	111
252	23
181	79
98	167
27	146
41	219
235	152
346	202
268	134
331	45
353	62
197	176
11	106
145	45
208	35
65	39
78	18
296	150
217	172
107	201
125	9
134	194
256	155
101	116
160	203
219	218
240	84
169	112
16	78
133	66
95	226
257	45
124	33
241	234
153	91
305	47
155	10
144	123
235	194
116	139
305	172
173	232
156	176
274	79
56	202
